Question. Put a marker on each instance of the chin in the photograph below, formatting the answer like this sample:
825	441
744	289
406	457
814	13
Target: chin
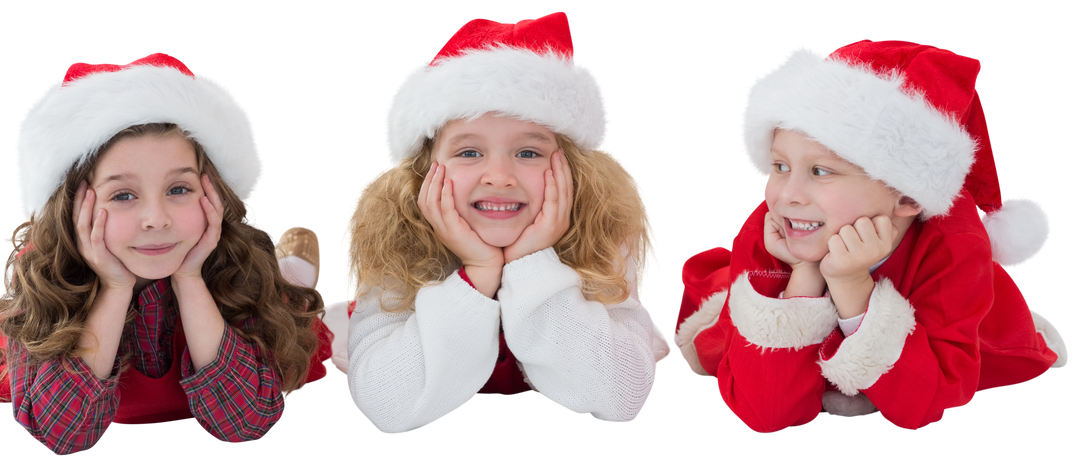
500	239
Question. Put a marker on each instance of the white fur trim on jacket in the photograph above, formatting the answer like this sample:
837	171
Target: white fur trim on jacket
545	89
1017	231
872	350
71	122
1052	338
774	323
867	119
704	318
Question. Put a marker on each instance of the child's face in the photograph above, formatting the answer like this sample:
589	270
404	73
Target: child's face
149	186
497	165
816	192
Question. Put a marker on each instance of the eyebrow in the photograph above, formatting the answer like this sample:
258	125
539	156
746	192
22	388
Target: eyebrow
534	136
127	175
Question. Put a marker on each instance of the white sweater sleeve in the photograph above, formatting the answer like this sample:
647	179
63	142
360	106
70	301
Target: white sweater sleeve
409	368
584	355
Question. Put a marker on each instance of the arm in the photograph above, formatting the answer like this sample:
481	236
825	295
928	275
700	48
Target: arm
916	351
587	356
67	411
236	396
407	369
767	373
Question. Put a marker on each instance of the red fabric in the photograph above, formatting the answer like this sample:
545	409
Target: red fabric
947	82
973	330
5	380
541	35
507	377
81	70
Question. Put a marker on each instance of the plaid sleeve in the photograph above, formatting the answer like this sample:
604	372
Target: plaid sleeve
60	401
237	397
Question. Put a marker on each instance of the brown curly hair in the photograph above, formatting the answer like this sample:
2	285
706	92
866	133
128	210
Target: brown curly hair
51	288
394	248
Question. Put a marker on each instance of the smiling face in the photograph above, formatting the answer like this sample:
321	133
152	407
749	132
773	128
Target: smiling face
149	186
497	165
816	192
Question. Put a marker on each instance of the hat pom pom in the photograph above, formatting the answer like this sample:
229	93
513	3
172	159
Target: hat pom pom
1017	231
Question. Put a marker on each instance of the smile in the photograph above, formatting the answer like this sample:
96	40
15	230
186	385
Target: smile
487	206
155	250
797	225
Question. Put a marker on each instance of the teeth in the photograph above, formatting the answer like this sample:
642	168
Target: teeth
484	206
805	225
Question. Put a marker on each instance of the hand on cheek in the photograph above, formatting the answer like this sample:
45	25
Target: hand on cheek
436	202
857	247
806	280
554	218
775	243
213	209
90	241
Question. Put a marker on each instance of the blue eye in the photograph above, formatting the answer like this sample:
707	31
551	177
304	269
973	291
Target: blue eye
123	197
469	153
178	190
781	167
820	172
528	154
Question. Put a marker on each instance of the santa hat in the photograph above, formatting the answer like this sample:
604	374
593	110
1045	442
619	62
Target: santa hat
524	70
908	115
95	102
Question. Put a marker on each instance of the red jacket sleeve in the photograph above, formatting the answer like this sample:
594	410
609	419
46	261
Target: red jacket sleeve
237	397
916	352
59	401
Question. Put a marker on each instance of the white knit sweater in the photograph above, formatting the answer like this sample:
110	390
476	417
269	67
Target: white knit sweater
407	369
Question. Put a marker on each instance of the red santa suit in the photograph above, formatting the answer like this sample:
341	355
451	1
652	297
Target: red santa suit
944	321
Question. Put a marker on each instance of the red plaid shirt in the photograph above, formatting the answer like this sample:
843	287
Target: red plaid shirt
237	397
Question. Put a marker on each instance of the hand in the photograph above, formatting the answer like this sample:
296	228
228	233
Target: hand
857	247
436	202
213	209
91	242
554	218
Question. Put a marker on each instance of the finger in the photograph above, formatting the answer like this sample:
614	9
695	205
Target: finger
426	185
886	231
564	181
86	216
837	245
76	205
213	220
850	235
212	194
447	202
866	228
434	193
97	234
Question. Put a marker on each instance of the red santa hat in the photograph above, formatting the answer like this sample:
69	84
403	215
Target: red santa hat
524	70
95	102
908	115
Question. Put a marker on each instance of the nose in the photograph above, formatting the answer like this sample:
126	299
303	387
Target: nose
499	173
794	191
155	215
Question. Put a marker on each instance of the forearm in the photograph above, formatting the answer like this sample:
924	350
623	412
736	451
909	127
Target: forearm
582	354
104	327
409	368
806	281
67	411
852	295
237	396
203	324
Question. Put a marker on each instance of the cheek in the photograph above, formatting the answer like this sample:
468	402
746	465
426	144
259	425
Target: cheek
190	220
534	183
772	192
464	183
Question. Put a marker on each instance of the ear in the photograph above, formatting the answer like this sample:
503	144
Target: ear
906	207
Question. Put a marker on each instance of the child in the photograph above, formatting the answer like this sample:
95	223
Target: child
138	294
866	280
501	254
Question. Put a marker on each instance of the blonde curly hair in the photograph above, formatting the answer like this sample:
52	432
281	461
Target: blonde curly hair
394	248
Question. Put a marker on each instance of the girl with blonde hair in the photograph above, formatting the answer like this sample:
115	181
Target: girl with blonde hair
501	253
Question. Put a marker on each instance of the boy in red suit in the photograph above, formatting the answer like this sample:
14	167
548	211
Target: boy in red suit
866	281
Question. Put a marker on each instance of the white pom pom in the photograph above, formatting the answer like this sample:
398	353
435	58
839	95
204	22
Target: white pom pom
1017	231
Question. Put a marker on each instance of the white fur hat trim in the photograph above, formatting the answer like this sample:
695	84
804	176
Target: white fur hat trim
544	89
866	118
71	122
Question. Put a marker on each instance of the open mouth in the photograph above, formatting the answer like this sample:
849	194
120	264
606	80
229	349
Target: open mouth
804	226
489	206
